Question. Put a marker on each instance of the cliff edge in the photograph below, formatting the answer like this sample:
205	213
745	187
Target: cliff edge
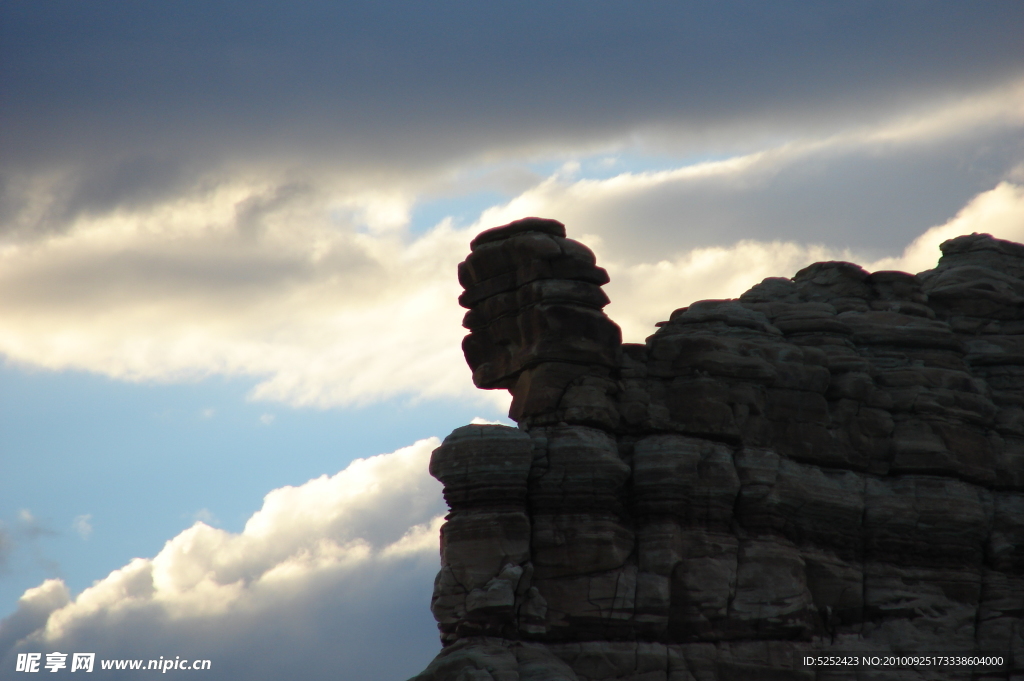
830	463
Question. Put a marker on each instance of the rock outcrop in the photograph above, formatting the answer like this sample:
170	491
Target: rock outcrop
831	463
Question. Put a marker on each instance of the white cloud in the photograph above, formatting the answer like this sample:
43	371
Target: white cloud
313	285
645	293
205	516
267	419
481	421
318	572
82	524
1000	106
34	608
999	212
327	315
869	188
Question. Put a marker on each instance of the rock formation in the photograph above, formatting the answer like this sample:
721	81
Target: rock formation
830	463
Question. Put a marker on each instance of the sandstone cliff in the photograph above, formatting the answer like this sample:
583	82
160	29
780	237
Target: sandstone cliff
832	462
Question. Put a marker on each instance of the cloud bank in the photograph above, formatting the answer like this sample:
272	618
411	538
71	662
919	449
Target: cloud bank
241	280
318	577
639	293
387	86
326	295
872	188
255	214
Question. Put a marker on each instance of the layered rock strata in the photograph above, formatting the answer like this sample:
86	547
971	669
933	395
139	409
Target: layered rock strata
830	463
535	318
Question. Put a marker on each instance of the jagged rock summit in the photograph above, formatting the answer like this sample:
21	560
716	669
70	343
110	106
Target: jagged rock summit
830	463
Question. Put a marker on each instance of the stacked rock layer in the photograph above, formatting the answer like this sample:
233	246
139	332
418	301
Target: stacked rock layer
831	463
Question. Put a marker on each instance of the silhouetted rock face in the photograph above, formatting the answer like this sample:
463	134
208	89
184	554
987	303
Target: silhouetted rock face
832	462
535	318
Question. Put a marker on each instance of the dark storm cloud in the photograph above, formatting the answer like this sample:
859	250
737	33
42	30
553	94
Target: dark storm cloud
250	212
100	185
125	181
875	199
403	82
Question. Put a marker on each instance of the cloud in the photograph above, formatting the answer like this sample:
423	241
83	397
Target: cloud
32	527
205	516
999	212
326	313
34	608
323	293
28	537
645	293
388	86
318	577
481	421
871	188
319	288
82	524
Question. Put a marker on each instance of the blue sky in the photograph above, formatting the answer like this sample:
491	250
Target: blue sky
228	240
183	452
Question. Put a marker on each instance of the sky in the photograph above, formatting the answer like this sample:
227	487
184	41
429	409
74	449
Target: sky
229	336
